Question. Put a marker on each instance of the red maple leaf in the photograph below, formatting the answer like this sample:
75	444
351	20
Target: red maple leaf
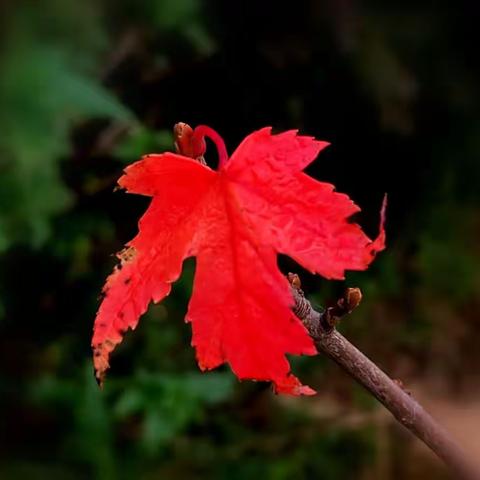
234	221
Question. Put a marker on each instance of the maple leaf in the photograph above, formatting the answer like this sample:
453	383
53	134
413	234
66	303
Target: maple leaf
234	221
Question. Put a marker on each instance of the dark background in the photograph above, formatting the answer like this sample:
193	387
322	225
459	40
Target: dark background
88	87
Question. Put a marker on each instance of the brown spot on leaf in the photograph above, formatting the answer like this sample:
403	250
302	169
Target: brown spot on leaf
127	254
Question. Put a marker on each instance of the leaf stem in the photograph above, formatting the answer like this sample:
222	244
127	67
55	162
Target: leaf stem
202	131
399	402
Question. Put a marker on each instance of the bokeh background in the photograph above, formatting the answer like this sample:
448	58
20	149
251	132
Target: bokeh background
88	87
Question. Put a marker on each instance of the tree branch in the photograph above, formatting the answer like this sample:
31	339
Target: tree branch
400	403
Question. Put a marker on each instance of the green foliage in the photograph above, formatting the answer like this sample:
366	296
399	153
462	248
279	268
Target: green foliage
168	404
43	92
162	405
88	418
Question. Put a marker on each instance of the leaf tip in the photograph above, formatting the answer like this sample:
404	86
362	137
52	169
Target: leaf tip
379	243
100	363
291	386
99	378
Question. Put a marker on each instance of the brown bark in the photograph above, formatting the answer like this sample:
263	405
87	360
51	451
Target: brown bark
400	403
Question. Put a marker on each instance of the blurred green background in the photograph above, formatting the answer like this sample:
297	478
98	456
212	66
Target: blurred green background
88	87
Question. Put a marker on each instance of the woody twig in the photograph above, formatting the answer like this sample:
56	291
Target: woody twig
400	403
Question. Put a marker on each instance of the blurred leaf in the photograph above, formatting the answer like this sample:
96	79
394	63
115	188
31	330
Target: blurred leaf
42	93
94	442
169	403
158	428
129	403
